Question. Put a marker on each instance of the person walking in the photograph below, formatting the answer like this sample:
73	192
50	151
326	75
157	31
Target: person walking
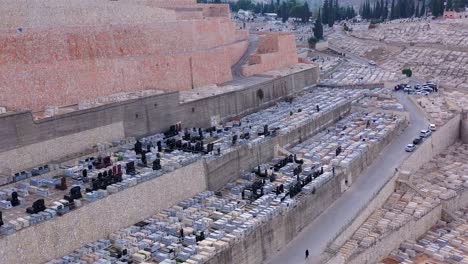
307	254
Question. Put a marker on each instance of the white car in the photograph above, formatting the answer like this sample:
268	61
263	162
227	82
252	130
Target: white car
410	147
425	133
432	127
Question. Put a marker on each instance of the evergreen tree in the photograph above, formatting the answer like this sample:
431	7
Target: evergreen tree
411	9
336	11
422	12
392	10
325	12
385	10
449	5
318	28
331	14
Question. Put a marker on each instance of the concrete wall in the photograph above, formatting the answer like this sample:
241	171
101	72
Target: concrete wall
464	127
60	236
53	149
138	117
230	166
376	202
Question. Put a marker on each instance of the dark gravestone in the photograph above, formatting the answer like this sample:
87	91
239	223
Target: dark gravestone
14	199
75	192
138	147
143	158
130	167
107	161
62	185
265	130
234	139
210	147
159	144
157	164
38	206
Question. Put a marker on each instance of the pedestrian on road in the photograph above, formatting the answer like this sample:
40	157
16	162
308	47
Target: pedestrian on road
307	253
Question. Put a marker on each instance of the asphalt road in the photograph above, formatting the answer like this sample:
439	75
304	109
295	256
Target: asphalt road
318	233
237	68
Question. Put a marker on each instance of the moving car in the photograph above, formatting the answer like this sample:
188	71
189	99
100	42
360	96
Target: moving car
425	133
410	147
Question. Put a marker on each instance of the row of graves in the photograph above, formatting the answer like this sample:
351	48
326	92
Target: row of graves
439	180
196	229
446	242
32	199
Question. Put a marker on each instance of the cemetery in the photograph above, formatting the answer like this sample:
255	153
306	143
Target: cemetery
444	242
354	73
49	193
418	197
199	228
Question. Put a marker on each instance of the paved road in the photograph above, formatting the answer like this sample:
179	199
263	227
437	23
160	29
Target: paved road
236	69
317	234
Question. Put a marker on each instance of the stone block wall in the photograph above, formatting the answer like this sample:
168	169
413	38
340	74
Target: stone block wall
60	236
20	134
275	51
91	49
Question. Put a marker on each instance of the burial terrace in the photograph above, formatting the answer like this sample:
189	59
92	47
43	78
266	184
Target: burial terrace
443	243
201	228
438	181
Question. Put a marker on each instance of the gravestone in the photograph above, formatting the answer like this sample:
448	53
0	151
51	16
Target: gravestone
75	193
14	199
138	147
62	185
38	206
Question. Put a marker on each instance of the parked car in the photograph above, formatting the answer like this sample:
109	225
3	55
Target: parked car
432	127
416	141
372	63
410	147
425	133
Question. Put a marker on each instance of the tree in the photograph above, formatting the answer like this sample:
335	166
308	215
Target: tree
423	9
331	14
312	41
437	7
449	5
325	11
385	10
392	10
318	28
407	72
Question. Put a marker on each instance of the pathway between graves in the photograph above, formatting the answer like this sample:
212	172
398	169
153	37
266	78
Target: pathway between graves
317	234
